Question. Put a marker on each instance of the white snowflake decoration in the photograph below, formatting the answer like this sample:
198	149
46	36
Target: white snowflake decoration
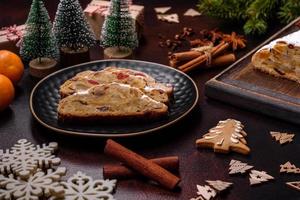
38	185
24	158
82	187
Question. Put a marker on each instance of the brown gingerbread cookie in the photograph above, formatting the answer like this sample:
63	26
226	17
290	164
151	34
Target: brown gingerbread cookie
227	136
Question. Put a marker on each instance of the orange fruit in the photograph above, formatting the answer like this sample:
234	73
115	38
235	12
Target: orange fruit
7	92
11	66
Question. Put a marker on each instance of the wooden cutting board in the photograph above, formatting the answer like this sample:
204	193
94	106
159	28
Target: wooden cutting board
243	86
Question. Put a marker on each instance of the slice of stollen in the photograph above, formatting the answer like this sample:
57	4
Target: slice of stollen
280	58
87	79
110	101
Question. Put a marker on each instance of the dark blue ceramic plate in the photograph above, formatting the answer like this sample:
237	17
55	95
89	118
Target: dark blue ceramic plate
45	96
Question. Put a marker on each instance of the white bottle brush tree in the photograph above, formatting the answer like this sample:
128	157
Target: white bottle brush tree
118	31
70	27
38	42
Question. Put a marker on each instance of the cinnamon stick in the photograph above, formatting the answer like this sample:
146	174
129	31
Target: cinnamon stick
122	172
223	60
199	42
203	58
186	55
140	164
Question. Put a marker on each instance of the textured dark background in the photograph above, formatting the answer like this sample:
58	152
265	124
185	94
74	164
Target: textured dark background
196	166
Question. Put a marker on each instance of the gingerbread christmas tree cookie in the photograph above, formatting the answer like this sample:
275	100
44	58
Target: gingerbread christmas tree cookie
227	136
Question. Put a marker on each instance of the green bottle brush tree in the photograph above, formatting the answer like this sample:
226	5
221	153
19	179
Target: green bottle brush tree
73	33
118	35
39	45
256	14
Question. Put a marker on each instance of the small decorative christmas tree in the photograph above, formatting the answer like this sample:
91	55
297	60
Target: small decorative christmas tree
71	28
38	42
118	32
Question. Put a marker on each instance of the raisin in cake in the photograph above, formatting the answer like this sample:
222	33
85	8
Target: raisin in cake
110	101
87	79
280	58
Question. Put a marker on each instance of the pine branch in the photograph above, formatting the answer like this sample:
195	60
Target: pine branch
258	14
225	9
289	10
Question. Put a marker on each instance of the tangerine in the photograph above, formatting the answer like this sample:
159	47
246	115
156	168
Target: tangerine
7	92
11	66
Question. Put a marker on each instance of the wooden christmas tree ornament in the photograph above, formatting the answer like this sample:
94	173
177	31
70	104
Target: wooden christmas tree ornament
294	185
237	167
258	177
219	185
227	136
210	191
289	168
192	13
206	192
162	10
282	138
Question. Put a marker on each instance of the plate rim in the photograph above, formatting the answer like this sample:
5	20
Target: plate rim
127	134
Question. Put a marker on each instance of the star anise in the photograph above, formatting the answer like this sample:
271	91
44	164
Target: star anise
215	35
237	41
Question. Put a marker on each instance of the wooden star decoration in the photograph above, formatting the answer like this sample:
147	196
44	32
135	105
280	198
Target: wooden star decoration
282	138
